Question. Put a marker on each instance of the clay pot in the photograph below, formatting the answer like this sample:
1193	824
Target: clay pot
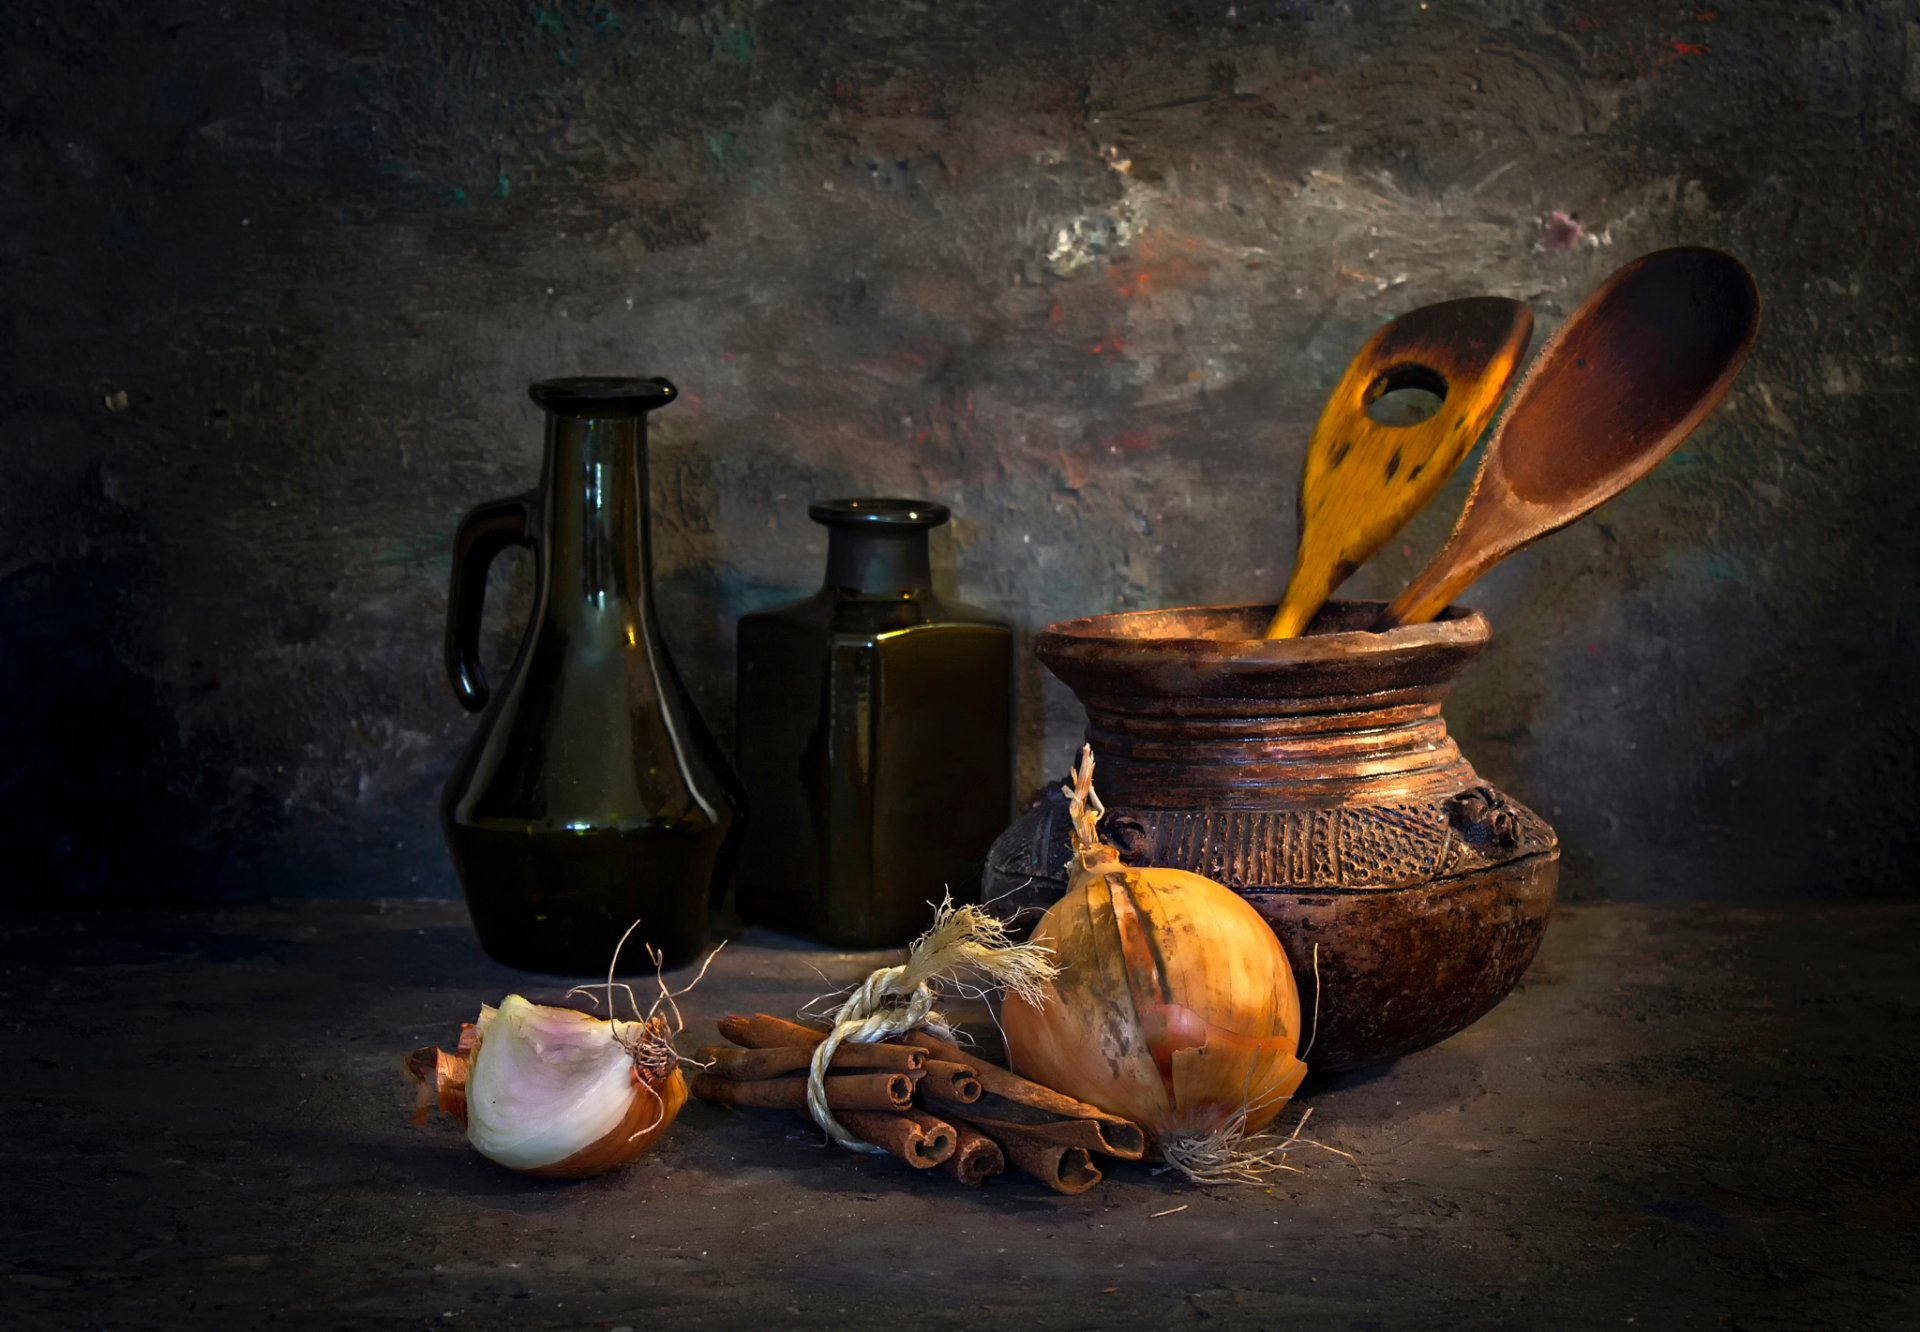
1315	777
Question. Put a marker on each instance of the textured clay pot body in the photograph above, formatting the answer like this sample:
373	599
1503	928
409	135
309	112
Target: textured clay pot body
1315	777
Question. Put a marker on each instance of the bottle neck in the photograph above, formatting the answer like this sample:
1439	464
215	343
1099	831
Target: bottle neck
598	541
875	561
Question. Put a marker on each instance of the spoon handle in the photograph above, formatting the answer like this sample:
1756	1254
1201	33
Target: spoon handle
1431	592
1307	591
1467	554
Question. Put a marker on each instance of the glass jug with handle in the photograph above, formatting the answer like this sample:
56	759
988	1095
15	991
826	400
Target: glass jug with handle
591	795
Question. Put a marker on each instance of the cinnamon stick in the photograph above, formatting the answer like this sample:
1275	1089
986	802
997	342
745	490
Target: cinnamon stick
949	1081
1060	1166
845	1091
1112	1134
1066	1170
996	1116
763	1031
1116	1136
975	1156
914	1136
771	1061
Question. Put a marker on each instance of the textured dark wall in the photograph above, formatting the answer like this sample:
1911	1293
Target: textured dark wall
278	275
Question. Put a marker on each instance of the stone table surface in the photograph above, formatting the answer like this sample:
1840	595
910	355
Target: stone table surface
1685	1117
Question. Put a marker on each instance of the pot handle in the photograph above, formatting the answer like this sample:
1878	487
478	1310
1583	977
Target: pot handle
487	530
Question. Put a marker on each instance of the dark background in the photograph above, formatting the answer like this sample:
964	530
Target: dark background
277	276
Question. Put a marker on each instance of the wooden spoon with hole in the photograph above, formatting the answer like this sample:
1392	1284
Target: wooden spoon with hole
1614	391
1369	468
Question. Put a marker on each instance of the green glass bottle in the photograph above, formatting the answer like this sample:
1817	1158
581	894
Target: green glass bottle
592	795
875	737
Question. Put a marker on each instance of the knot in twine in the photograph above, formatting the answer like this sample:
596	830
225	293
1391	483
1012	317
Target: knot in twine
895	1000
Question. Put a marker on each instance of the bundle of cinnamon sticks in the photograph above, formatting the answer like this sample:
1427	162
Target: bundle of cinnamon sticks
922	1099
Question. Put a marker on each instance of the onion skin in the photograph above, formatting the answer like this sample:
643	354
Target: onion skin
440	1079
632	1137
1175	1005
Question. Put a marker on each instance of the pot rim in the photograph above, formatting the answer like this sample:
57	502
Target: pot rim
1457	627
1181	652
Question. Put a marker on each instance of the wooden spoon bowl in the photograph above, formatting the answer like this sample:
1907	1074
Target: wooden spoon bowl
1623	382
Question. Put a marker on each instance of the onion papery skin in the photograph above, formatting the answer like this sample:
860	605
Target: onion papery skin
1174	1007
646	1123
556	1092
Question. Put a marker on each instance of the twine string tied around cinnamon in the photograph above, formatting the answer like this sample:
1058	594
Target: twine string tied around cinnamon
895	1000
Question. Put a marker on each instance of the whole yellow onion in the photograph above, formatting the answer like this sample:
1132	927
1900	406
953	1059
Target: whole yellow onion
1175	1005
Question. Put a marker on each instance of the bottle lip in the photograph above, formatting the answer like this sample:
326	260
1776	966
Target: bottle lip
870	512
602	395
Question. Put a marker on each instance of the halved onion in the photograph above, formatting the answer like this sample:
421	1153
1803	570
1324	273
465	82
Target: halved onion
554	1091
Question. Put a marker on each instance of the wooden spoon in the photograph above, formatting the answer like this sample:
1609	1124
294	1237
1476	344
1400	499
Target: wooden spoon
1614	391
1368	472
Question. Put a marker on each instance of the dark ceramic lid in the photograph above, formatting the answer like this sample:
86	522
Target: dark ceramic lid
878	513
597	395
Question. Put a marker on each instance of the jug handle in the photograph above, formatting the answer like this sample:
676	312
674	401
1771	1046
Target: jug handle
487	530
